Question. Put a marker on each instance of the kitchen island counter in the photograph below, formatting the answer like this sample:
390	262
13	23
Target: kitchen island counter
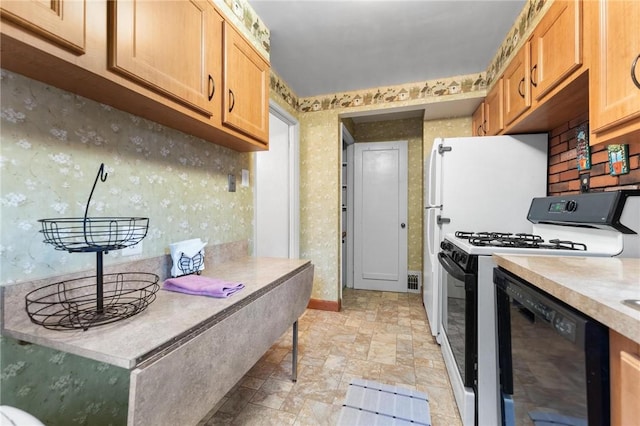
595	286
184	352
171	316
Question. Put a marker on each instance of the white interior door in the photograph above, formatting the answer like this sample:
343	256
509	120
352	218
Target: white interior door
276	213
380	216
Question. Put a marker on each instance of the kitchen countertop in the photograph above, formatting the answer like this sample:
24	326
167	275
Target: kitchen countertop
172	315
595	286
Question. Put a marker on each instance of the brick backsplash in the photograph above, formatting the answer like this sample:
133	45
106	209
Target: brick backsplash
563	167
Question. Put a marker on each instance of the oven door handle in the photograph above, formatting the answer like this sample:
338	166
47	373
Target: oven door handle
452	268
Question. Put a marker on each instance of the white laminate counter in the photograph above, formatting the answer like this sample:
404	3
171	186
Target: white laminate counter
128	342
595	286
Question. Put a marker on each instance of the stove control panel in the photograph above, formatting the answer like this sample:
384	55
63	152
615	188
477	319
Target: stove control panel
590	210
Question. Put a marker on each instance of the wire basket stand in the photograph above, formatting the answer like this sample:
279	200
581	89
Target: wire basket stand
72	304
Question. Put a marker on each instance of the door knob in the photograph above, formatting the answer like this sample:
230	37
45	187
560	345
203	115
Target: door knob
402	225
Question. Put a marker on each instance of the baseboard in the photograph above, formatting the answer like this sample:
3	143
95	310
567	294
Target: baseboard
324	305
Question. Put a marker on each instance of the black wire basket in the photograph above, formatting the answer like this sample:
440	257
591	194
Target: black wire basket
92	234
73	304
100	299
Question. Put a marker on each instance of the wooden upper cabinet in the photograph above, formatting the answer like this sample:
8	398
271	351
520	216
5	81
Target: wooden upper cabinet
614	96
59	21
246	87
477	121
517	89
166	48
493	111
556	46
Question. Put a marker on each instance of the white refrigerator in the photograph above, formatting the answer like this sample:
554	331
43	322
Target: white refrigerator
477	184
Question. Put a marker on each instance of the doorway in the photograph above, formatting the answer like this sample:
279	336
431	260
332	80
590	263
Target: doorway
380	216
276	189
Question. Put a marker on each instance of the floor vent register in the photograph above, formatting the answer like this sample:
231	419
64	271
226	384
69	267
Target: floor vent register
371	403
414	281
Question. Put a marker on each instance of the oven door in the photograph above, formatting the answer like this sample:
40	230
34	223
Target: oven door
459	314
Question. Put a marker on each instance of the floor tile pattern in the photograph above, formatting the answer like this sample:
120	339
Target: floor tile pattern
377	336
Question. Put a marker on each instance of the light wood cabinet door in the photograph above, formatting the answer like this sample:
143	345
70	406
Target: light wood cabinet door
629	388
556	46
624	359
517	89
246	87
477	121
493	111
61	21
166	49
614	96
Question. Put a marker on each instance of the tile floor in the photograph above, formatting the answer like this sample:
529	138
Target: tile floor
377	336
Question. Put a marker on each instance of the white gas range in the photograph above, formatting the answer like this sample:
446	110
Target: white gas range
594	224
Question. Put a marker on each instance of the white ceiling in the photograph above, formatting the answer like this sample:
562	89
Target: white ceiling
327	47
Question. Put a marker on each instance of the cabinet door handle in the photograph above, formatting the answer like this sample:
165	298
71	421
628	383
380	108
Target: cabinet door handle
480	130
212	87
535	68
484	128
633	72
520	86
232	99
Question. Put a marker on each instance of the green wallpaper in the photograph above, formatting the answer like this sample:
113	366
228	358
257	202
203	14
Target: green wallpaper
52	143
320	200
62	389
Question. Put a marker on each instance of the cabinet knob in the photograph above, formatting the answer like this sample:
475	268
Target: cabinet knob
402	225
212	87
535	68
633	71
232	99
520	86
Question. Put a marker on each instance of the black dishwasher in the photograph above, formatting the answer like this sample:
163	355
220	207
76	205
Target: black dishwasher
554	360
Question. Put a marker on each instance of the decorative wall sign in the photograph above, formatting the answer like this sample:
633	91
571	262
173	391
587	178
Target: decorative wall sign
583	151
618	159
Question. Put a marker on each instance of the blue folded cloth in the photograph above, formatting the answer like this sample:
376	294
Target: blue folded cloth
202	286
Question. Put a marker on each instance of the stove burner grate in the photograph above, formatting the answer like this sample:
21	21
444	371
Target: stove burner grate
567	245
519	240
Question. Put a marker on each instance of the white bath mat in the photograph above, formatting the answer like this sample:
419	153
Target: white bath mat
371	403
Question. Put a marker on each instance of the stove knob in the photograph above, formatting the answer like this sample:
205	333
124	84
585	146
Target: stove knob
444	245
571	206
463	258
